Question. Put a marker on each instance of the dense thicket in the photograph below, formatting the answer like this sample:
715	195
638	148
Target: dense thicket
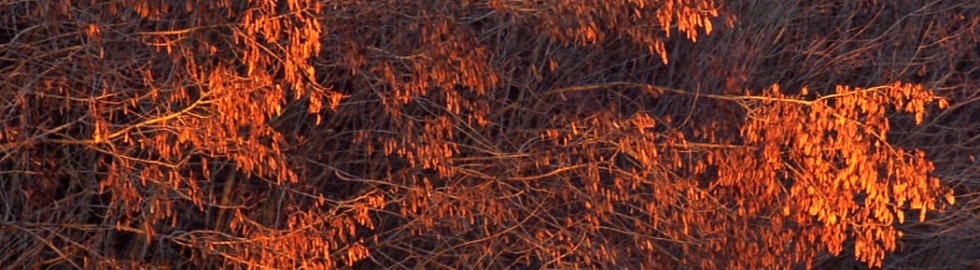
489	134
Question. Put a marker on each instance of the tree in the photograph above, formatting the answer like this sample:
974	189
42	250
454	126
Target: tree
486	134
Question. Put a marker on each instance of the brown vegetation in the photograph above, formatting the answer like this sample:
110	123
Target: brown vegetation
562	134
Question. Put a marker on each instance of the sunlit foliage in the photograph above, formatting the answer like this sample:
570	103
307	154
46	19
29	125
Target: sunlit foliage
563	134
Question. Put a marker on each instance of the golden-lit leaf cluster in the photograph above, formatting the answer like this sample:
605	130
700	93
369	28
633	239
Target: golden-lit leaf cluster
841	171
648	24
